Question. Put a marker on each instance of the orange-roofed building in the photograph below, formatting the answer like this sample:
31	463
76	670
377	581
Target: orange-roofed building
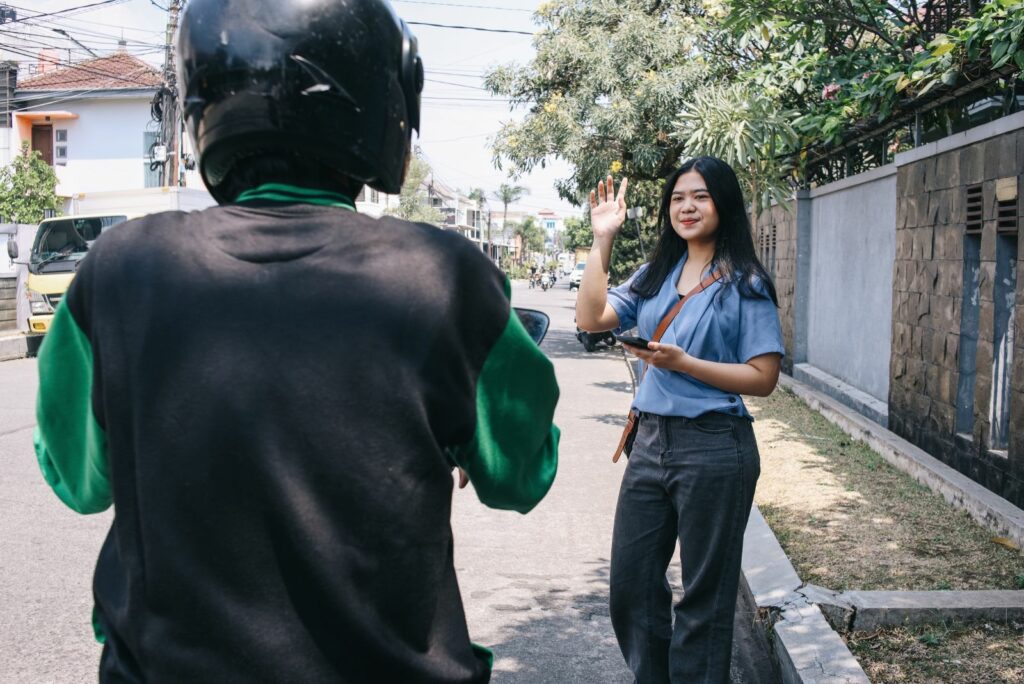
93	121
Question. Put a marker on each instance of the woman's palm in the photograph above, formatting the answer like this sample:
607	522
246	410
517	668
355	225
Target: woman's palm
607	211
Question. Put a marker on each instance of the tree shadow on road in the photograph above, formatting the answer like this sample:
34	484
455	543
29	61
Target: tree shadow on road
617	419
566	636
626	387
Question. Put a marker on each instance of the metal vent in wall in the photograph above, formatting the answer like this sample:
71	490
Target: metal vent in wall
1006	205
975	208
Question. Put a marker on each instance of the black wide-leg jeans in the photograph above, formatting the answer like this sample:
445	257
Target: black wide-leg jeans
691	480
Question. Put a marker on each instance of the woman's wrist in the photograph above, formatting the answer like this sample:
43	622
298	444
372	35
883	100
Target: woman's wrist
684	364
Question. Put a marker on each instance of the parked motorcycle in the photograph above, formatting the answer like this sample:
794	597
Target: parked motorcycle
591	340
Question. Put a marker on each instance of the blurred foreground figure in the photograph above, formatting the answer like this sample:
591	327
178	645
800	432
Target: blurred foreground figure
273	392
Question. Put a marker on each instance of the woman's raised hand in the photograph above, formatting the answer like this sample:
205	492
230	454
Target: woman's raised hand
607	210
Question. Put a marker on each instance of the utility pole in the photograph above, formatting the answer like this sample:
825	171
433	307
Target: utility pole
170	125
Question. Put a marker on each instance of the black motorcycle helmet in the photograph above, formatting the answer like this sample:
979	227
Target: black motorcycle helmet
335	83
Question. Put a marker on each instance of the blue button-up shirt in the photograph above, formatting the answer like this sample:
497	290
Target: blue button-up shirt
718	324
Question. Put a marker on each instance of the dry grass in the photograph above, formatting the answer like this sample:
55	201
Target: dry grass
848	520
984	652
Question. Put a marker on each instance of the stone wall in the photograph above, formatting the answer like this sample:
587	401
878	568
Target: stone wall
778	225
928	297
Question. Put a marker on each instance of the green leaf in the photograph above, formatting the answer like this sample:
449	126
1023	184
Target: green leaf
943	49
902	83
799	86
950	77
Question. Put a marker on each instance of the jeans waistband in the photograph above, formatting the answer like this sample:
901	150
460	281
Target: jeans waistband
644	415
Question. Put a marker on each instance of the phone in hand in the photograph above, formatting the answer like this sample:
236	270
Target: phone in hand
634	341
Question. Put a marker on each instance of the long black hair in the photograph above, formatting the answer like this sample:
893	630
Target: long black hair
735	257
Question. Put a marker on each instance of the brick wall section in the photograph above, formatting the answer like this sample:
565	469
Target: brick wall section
927	292
785	269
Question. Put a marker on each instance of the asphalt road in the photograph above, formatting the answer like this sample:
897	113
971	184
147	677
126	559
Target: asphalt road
535	587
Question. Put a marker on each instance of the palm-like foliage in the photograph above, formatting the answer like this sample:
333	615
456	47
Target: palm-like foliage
506	194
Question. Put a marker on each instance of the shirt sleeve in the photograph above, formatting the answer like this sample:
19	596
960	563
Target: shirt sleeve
760	331
626	302
70	444
513	455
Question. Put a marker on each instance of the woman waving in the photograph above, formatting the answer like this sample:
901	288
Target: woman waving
694	462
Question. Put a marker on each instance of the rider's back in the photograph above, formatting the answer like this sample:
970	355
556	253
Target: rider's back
277	391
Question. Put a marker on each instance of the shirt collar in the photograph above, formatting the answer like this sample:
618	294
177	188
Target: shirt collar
293	194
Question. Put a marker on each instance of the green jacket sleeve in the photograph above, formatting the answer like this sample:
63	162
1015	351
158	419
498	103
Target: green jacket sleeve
69	442
513	456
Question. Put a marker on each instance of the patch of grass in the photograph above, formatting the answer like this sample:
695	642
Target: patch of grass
952	652
849	520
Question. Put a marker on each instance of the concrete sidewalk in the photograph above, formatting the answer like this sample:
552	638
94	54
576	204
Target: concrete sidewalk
14	345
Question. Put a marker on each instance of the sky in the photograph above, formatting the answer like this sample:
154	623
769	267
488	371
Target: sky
458	115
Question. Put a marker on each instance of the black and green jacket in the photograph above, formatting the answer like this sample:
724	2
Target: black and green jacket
272	395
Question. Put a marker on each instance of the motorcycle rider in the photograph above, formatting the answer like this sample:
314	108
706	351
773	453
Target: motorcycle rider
272	392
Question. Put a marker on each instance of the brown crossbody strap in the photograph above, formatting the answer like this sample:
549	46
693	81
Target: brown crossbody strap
674	311
626	441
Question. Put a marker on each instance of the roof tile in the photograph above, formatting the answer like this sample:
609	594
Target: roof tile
117	71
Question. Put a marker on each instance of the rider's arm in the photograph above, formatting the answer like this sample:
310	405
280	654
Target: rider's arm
513	454
70	443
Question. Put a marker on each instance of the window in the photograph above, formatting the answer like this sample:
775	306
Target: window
374	196
61	135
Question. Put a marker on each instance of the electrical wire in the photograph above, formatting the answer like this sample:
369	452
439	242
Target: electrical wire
452	4
63	11
457	85
468	28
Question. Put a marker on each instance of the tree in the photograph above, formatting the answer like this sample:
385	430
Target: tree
531	234
606	84
852	66
506	194
577	234
413	203
749	131
28	187
604	90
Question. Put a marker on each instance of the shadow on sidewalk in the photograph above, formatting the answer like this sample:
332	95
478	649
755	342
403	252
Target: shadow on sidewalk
567	637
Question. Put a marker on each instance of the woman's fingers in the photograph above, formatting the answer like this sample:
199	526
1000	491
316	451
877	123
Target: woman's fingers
622	192
593	199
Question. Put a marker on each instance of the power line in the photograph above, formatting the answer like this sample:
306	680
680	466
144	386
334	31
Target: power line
452	4
496	100
457	85
64	11
468	28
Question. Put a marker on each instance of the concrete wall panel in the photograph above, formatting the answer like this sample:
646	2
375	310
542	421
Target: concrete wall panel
853	245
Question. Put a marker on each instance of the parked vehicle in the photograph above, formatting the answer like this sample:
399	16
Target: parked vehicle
591	340
576	277
59	247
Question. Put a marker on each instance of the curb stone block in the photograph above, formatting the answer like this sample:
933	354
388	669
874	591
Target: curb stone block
810	652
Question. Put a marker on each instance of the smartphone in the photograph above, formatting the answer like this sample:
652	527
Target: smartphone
633	341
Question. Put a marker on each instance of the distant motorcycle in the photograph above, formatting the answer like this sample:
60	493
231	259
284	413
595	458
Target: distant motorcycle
545	282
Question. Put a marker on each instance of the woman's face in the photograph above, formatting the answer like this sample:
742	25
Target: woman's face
691	209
